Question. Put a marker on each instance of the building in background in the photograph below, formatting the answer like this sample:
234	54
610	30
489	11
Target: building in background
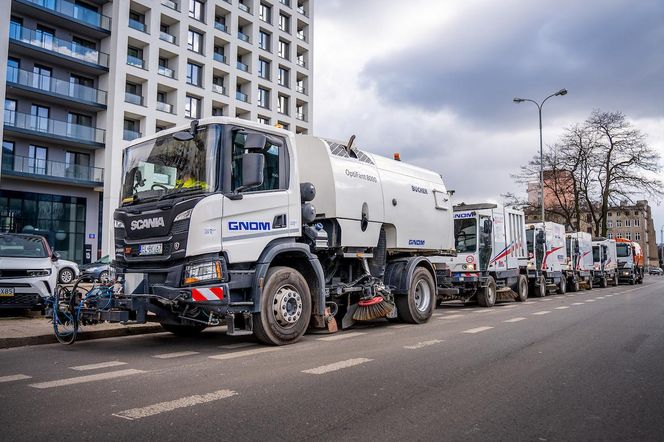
85	77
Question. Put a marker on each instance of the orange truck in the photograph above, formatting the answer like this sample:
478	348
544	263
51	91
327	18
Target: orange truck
630	261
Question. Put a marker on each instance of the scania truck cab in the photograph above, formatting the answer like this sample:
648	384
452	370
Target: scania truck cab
546	258
579	262
605	262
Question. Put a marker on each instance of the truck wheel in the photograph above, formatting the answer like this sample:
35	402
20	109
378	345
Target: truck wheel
603	283
615	280
540	288
486	297
417	306
522	289
285	307
562	286
590	284
574	286
185	331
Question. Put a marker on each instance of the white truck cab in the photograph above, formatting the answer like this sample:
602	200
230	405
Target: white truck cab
605	262
546	257
579	261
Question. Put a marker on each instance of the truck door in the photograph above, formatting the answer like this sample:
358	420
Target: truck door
540	248
485	243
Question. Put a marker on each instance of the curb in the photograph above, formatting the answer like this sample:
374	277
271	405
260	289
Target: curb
83	335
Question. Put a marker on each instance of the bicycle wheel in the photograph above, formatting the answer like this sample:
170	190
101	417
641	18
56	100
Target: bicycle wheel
65	320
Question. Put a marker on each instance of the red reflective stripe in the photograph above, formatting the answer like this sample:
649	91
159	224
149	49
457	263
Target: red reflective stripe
208	294
197	296
218	292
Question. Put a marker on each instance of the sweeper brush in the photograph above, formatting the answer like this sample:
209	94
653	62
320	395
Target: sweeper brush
372	308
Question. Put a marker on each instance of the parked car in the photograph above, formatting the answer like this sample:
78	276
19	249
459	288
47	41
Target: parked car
656	271
67	271
96	271
27	272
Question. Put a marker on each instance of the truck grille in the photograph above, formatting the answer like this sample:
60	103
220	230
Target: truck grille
180	227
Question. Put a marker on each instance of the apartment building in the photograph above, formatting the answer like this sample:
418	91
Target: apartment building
85	77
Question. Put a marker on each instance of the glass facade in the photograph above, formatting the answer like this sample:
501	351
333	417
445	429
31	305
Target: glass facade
60	219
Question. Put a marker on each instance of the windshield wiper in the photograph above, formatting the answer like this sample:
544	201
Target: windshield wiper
180	191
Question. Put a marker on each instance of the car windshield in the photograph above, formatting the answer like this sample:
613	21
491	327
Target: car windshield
104	260
16	246
623	250
465	235
165	166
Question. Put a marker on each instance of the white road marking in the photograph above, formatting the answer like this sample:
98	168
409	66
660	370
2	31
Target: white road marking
600	297
515	319
570	296
483	310
341	336
543	312
545	300
97	366
175	355
88	378
400	326
590	300
435	315
608	296
477	330
163	407
422	344
564	307
14	377
240	354
337	366
239	345
577	303
452	316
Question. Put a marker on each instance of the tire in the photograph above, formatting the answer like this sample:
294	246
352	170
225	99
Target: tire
574	286
562	286
66	276
615	280
540	288
285	307
486	297
603	283
103	276
590	284
522	289
417	306
64	318
184	331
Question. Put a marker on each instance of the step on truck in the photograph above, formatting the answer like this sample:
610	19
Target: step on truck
546	258
605	262
234	223
578	263
630	261
490	242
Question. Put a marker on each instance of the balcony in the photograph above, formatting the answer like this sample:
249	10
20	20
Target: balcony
242	36
135	61
243	67
221	58
133	99
72	11
171	5
301	89
221	27
49	44
164	107
300	116
165	36
48	170
301	36
301	62
241	97
41	127
41	84
135	24
130	135
244	8
219	89
166	72
301	10
285	2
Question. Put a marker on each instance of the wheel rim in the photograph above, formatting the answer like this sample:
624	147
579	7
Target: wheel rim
287	306
492	294
422	296
66	276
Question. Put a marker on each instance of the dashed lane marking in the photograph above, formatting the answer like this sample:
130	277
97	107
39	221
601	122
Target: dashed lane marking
577	303
600	297
452	317
477	330
88	378
543	312
400	326
563	307
570	296
435	315
178	354
14	377
608	296
545	300
243	353
98	366
337	366
422	344
590	300
341	336
238	345
163	407
515	319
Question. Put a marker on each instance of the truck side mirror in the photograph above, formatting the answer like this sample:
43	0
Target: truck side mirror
540	237
255	141
252	170
55	256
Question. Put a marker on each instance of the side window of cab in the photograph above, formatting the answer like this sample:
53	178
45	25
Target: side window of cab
275	173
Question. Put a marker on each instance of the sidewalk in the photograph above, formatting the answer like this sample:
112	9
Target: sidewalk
20	331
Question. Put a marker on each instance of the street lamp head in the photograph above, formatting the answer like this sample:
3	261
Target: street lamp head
562	92
518	100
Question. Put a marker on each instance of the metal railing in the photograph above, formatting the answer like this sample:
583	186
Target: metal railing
244	7
135	61
301	89
241	96
166	72
301	62
130	135
50	126
52	44
242	36
219	57
133	98
170	4
164	107
220	26
301	36
50	168
55	86
243	67
167	37
219	89
139	26
72	10
300	116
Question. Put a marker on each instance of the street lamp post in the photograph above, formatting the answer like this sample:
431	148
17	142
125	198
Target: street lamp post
539	108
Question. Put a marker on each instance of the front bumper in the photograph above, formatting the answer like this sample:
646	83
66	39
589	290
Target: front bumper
28	292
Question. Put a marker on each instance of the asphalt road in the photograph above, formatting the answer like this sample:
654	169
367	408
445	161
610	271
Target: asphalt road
582	366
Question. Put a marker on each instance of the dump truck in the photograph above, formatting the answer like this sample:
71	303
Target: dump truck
630	261
605	262
578	263
229	222
546	257
490	261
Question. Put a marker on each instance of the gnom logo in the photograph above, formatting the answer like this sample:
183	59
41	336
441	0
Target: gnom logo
148	223
248	225
415	242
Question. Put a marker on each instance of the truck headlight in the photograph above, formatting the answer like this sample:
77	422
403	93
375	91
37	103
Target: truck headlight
204	271
41	272
118	224
182	216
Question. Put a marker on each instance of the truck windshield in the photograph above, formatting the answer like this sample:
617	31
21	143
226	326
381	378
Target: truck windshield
530	240
623	250
465	235
596	254
15	246
165	166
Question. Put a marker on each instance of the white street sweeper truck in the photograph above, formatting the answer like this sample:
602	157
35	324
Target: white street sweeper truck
578	266
605	262
228	222
546	258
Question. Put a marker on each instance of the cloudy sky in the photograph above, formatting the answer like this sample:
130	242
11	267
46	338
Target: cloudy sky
434	79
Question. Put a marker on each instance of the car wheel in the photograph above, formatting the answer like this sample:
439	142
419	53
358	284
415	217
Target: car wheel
66	276
103	276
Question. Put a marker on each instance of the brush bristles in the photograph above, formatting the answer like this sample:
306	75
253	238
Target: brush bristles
371	312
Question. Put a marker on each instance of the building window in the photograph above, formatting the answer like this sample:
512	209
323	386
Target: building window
628	236
283	76
263	120
265	13
610	214
192	107
263	98
77	165
618	223
135	56
13	66
39	116
637	222
196	9
264	69
284	49
10	111
282	106
37	156
609	224
195	41
284	22
41	77
264	40
628	223
637	236
610	235
194	74
132	129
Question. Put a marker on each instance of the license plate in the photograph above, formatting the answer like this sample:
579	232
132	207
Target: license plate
150	249
7	291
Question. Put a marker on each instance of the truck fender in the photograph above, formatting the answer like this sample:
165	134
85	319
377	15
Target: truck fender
278	249
399	273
